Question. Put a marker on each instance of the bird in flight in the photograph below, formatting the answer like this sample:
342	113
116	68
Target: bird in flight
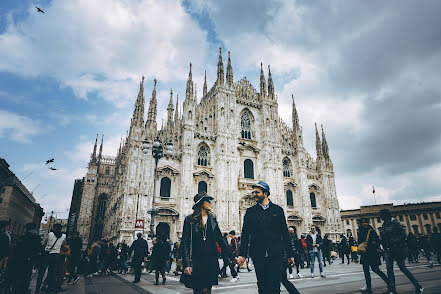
53	168
39	9
50	160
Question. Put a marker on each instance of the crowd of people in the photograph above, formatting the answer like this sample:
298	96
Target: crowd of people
203	254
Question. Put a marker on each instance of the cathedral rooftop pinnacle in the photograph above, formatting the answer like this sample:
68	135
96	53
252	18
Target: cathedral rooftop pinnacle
325	145
229	71
204	93
262	82
220	69
270	83
318	144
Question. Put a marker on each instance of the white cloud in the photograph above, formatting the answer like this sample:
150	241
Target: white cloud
18	128
104	46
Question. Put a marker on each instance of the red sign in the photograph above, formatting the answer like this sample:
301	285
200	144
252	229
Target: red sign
139	224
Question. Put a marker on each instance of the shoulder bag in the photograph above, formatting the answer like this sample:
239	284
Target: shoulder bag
187	279
362	247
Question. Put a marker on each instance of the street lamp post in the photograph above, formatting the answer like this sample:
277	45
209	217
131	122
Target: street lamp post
157	153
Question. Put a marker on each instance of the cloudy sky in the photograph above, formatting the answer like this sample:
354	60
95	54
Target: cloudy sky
367	70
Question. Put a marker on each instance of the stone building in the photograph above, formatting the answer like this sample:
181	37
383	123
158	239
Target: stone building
17	204
224	142
418	218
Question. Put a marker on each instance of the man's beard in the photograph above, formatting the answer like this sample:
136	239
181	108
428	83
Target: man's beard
259	199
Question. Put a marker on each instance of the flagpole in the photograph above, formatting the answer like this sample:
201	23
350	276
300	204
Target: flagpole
373	193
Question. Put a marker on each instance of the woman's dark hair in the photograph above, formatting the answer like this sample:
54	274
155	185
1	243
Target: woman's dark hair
197	216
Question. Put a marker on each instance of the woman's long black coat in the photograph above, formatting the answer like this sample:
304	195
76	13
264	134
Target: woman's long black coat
371	256
185	245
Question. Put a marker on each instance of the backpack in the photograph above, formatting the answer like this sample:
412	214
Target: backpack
304	245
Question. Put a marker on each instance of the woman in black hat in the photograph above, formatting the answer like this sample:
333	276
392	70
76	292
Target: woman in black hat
199	251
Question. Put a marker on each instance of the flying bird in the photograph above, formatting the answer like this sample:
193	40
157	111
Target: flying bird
53	168
50	160
39	9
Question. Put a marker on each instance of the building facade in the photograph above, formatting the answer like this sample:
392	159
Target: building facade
17	204
223	144
418	218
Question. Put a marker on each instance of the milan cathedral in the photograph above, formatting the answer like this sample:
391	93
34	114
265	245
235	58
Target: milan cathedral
223	144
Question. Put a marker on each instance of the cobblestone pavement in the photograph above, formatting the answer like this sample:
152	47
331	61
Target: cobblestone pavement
341	278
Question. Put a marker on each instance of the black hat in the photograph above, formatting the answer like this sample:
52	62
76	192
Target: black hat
200	197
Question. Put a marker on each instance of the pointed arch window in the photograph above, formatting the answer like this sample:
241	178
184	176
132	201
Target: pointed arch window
202	187
289	198
248	169
313	200
286	168
245	124
102	201
165	187
203	155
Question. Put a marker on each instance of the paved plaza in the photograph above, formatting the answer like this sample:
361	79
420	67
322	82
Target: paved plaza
341	278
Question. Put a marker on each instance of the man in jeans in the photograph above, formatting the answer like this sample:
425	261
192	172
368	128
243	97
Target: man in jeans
315	242
393	238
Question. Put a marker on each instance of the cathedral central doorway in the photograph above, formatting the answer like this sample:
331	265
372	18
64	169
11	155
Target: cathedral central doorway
163	229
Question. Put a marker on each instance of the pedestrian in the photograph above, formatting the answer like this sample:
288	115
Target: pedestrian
284	278
122	257
412	244
393	239
160	254
234	247
26	250
297	261
56	239
199	252
326	250
370	258
140	250
344	249
353	245
5	244
304	256
424	244
75	243
178	257
315	242
266	232
226	262
435	241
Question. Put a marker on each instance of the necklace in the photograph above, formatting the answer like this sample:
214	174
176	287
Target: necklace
204	232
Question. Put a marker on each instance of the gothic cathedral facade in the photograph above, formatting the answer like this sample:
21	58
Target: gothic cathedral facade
224	144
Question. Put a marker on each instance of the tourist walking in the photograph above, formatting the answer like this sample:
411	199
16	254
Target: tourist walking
53	246
412	244
344	249
297	261
425	246
370	258
75	243
393	239
284	278
122	257
140	250
326	250
304	256
160	255
266	232
315	242
435	240
199	251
